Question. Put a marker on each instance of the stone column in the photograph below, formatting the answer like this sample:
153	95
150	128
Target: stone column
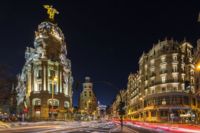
47	86
59	79
32	77
62	78
44	67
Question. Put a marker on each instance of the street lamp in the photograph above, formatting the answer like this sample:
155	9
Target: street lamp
55	79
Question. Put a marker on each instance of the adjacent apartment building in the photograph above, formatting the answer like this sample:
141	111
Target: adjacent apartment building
163	89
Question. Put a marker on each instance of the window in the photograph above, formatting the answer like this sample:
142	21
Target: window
66	104
174	89
182	58
182	68
55	102
90	93
192	72
145	67
152	82
52	73
152	62
163	58
163	79
174	68
37	102
39	87
163	89
183	78
39	74
50	87
175	57
152	91
175	77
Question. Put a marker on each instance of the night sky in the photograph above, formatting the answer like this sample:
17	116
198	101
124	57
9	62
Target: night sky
105	38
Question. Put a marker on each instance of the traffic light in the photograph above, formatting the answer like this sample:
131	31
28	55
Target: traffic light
122	108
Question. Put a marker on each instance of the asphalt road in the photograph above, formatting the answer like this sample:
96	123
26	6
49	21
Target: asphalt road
95	128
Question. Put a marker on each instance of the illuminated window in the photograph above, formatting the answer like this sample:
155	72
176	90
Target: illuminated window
163	58
145	67
174	57
66	104
163	79
38	102
152	62
39	87
175	77
174	68
50	88
39	74
182	68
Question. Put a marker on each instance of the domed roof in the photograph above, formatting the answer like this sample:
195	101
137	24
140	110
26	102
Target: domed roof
50	37
46	28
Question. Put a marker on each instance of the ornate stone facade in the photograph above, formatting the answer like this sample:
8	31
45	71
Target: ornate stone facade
44	63
158	92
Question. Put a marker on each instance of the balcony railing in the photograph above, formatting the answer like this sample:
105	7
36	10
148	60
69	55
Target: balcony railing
163	72
160	82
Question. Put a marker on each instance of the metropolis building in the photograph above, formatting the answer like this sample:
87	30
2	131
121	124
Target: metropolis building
45	83
164	87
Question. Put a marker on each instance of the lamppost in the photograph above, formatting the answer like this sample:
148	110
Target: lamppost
52	94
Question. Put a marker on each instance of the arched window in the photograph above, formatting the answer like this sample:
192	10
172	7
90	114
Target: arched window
36	101
66	104
55	102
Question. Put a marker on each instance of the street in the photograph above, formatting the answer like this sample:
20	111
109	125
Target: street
95	127
72	127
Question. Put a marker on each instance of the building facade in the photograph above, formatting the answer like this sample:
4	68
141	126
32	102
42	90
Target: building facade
101	111
122	96
88	100
45	83
164	88
197	64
